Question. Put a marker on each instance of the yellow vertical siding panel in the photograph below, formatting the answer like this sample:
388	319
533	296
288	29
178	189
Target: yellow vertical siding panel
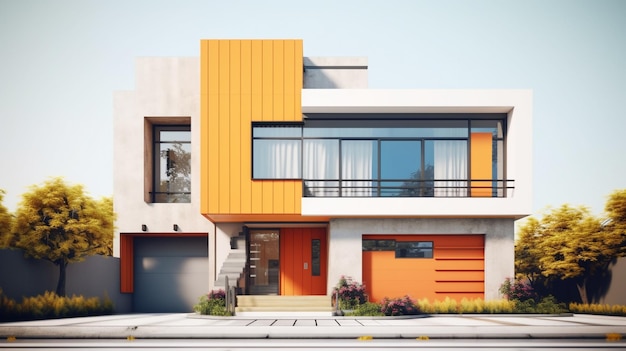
235	127
278	91
213	125
278	113
256	197
267	115
298	75
245	135
224	126
289	78
267	95
204	134
298	80
246	81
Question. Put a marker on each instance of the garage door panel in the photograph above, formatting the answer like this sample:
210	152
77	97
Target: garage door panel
456	269
164	265
468	275
171	273
459	287
460	265
474	252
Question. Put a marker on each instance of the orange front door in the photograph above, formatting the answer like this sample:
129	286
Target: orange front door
303	261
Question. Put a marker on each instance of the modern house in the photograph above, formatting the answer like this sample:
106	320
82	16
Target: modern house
284	173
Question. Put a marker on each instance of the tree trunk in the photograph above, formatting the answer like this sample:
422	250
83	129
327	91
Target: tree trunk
582	290
61	283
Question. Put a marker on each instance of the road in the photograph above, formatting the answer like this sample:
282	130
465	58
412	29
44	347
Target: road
312	344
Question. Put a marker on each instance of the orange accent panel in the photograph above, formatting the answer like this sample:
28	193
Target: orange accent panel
244	81
126	264
456	269
295	251
481	159
127	255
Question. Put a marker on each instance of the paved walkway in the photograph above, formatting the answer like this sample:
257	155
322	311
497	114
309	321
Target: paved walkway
157	326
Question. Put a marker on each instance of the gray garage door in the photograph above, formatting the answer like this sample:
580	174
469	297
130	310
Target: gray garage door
170	273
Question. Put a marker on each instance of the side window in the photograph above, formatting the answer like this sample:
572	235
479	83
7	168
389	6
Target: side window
171	164
414	249
316	248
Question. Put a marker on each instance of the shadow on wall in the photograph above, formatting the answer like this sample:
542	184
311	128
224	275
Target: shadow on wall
608	287
97	276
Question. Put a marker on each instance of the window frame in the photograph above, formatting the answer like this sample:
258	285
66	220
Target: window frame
323	120
156	129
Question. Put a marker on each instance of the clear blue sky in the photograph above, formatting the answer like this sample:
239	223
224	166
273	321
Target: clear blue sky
60	61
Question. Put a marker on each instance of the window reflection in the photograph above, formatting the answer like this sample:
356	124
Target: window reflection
172	166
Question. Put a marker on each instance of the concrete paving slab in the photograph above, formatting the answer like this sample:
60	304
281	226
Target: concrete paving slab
349	323
305	323
284	323
327	323
262	323
436	327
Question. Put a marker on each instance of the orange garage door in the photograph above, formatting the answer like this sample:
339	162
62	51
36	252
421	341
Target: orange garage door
424	266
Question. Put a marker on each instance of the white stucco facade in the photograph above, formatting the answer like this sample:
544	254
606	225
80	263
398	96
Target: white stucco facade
166	89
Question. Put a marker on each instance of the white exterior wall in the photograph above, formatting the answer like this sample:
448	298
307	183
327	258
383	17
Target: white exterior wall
516	103
223	233
345	255
335	73
165	88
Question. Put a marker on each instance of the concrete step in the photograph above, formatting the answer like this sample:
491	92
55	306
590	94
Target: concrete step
308	301
291	308
231	269
279	305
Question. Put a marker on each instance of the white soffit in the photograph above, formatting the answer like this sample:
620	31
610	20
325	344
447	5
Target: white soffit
412	101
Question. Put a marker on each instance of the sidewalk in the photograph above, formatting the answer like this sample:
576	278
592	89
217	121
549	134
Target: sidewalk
186	326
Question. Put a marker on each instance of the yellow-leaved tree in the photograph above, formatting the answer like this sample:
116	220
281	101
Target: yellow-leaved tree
60	223
6	221
615	225
570	243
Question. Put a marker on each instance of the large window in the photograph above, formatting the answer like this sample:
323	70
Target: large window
371	155
172	163
277	152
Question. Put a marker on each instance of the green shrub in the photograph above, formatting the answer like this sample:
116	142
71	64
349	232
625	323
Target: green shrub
351	294
550	305
547	305
613	310
367	309
516	290
399	306
214	304
50	305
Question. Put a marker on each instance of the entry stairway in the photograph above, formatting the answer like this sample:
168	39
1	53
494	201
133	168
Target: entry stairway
234	264
281	305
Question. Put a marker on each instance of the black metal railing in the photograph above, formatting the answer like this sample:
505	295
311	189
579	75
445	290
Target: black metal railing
407	188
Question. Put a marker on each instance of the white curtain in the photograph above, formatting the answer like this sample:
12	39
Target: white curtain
451	165
356	167
321	167
277	159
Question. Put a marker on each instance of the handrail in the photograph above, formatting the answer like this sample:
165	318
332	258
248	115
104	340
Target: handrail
231	297
409	187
